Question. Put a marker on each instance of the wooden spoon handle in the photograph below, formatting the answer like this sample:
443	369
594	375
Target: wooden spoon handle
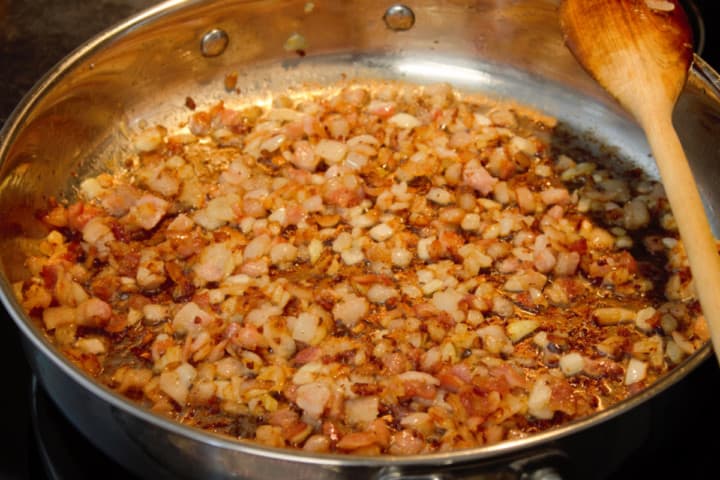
689	213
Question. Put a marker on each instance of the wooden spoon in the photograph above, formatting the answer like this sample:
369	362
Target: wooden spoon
640	51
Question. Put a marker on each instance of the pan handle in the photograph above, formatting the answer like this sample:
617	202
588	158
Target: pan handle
548	464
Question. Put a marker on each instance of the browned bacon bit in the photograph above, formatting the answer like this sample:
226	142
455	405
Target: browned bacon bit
230	81
373	269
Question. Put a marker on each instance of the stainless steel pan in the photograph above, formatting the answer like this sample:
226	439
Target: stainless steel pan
141	71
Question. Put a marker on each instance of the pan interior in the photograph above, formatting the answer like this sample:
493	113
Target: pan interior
31	167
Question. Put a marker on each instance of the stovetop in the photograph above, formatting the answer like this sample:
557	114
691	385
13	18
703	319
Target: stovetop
39	443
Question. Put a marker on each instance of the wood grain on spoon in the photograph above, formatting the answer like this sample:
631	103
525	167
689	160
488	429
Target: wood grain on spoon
640	52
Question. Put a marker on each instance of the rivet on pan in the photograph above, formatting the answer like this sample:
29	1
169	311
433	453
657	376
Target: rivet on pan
399	17
214	42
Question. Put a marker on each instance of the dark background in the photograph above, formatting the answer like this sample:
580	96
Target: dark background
35	34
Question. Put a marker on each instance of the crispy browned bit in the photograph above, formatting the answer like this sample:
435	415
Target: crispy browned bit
230	81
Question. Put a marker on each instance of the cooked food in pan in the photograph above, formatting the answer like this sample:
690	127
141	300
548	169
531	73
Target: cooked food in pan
370	268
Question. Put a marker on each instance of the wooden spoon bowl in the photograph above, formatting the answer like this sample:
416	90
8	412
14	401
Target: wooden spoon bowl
640	52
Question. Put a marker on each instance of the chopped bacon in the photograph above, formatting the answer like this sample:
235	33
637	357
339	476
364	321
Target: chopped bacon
200	123
307	355
93	313
562	397
80	213
452	380
284	417
475	176
406	442
355	440
419	389
372	270
246	336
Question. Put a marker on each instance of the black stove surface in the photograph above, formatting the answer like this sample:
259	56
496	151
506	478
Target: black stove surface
39	443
